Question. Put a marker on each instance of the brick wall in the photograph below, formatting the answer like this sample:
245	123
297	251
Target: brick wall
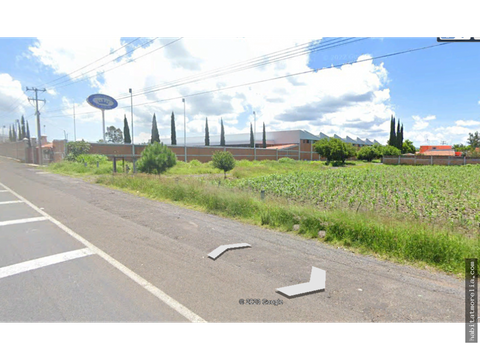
204	153
429	160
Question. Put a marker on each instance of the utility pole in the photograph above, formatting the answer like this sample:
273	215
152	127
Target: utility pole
131	133
254	133
74	128
39	139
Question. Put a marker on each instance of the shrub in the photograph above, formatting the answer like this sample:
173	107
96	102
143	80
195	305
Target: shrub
368	153
390	150
76	148
195	162
156	159
92	159
286	160
223	160
334	149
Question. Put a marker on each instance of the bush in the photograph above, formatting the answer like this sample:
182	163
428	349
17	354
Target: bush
92	159
223	160
390	150
156	159
286	160
195	162
76	148
368	153
334	149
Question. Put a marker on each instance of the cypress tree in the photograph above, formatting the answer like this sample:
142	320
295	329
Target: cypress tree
398	139
401	137
14	136
126	132
222	136
10	135
264	140
392	140
28	136
155	134
23	131
207	133
173	130
252	140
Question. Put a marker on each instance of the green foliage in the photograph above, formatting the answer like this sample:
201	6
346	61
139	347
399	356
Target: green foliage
408	147
252	140
264	138
126	132
473	140
195	162
92	159
369	153
286	160
334	149
114	135
76	148
156	159
173	135
155	134
222	133
207	133
223	160
390	150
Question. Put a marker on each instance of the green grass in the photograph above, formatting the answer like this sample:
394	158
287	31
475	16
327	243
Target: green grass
411	242
393	212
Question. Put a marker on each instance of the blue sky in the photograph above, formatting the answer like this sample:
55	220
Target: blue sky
434	92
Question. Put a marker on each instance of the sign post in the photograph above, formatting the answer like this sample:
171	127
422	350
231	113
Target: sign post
102	102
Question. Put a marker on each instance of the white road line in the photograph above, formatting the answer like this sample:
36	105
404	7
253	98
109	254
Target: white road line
42	262
174	304
10	202
3	190
22	221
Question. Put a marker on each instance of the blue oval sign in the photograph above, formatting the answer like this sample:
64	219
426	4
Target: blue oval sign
103	102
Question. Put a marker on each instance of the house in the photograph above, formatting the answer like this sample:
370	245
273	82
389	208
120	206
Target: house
437	150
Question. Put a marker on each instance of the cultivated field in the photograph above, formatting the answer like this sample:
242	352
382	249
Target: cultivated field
440	195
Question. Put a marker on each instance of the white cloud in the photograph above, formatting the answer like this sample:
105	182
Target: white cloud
12	97
467	123
422	123
349	100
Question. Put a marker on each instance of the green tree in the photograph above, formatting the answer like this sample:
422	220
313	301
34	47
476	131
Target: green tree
473	140
223	160
252	140
334	149
173	135
114	135
155	133
401	138
390	150
126	132
207	133
393	136
408	147
398	140
23	131
369	153
264	139
222	133
10	134
28	136
77	148
156	159
14	136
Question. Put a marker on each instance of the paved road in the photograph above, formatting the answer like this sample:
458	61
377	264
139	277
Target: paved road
148	261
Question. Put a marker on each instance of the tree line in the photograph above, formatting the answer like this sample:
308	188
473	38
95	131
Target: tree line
19	130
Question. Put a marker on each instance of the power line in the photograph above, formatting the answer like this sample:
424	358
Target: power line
71	82
93	62
278	77
248	64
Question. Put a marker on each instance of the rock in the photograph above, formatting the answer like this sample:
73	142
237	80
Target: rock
322	234
296	227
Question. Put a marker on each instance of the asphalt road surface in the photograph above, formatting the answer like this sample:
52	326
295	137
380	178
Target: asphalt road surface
71	251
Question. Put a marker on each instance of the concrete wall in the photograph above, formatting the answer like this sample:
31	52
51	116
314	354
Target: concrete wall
16	150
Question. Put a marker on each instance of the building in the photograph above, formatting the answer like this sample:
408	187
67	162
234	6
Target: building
437	150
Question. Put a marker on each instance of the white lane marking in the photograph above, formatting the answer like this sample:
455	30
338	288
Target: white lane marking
174	304
3	190
22	221
42	262
10	202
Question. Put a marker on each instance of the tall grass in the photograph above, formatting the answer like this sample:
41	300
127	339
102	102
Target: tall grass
411	242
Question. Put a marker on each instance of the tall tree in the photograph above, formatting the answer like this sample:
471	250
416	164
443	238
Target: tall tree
398	144
155	133
222	133
207	134
252	140
173	131
401	138
264	140
393	137
28	136
23	130
127	139
114	135
14	137
473	140
10	134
